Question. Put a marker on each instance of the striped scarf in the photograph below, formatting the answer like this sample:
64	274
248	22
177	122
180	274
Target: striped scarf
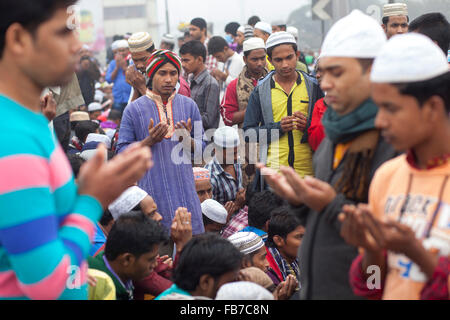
286	268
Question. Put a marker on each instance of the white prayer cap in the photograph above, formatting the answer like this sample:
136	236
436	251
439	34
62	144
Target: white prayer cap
246	242
94	106
226	137
253	44
127	201
140	41
243	290
354	36
410	57
119	44
214	211
264	26
293	31
168	38
395	9
278	38
241	29
95	137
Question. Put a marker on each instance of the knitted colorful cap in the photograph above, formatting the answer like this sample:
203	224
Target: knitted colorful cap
160	58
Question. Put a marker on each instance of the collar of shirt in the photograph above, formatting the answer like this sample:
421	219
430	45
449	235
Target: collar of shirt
433	163
199	78
272	80
128	286
217	169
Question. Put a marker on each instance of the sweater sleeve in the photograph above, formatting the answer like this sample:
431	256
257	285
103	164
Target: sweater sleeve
127	134
41	245
229	104
316	131
254	122
437	288
359	284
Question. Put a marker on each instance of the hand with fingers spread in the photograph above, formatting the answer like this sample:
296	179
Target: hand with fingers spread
166	260
121	173
136	79
156	133
399	238
181	229
231	209
360	229
183	129
279	185
286	289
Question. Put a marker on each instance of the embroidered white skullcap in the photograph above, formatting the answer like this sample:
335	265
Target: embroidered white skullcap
119	44
94	106
95	137
354	36
253	44
293	31
395	9
410	57
243	290
246	242
226	137
214	211
278	38
139	42
264	26
168	38
127	201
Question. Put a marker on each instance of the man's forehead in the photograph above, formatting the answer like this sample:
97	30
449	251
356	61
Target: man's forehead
334	62
140	55
168	67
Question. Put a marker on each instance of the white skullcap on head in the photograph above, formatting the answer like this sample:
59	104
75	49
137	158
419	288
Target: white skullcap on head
214	211
264	26
246	242
168	38
395	9
253	44
241	29
354	36
95	137
293	31
139	42
94	106
410	57
278	38
127	201
119	44
226	137
243	290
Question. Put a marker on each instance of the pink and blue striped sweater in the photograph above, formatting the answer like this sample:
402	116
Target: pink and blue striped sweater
46	227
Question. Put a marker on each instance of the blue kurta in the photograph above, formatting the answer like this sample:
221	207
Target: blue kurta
169	183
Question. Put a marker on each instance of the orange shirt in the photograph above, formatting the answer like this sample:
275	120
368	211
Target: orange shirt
427	212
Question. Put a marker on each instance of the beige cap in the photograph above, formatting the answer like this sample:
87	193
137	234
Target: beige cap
79	116
139	42
395	9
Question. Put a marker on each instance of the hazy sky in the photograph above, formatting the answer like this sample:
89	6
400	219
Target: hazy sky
223	11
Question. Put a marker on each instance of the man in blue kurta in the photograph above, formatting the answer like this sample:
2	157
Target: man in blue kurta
171	125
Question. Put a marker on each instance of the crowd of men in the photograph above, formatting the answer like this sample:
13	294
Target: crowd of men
232	169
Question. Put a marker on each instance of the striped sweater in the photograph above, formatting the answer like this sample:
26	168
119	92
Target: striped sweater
46	227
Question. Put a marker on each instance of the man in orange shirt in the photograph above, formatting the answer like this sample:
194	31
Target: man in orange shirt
408	241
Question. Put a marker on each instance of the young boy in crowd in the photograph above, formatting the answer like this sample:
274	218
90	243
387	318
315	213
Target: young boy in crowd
201	271
131	252
285	235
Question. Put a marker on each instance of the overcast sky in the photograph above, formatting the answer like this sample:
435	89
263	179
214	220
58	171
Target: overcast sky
223	11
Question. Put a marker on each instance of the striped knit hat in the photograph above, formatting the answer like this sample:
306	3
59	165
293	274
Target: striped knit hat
160	58
139	42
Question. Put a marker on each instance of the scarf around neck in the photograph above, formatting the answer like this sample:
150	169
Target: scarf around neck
342	129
